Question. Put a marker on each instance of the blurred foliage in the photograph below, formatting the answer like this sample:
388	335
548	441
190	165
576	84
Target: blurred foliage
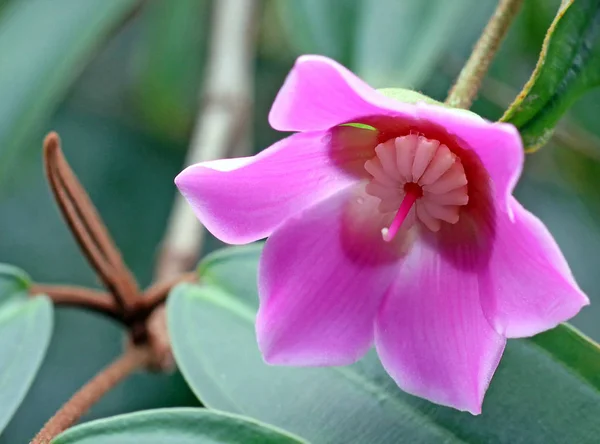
42	49
121	90
168	62
387	42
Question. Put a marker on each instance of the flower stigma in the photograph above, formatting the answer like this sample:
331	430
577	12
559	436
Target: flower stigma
419	179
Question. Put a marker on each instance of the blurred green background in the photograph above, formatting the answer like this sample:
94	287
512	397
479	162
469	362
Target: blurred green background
119	80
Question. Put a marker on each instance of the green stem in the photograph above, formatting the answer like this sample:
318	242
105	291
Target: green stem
469	80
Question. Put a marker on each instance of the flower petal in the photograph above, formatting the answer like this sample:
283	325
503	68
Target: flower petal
243	200
431	334
321	279
498	145
319	94
529	286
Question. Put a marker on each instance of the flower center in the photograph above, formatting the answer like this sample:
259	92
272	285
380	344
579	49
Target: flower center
419	179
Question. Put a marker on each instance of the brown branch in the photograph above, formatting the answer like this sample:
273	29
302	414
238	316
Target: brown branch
159	341
144	317
102	302
158	292
87	226
90	393
74	296
469	80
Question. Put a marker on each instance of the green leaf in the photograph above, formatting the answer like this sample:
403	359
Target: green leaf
569	65
178	426
545	390
43	47
25	330
216	269
13	281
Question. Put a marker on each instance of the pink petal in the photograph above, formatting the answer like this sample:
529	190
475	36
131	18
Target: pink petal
242	200
321	279
529	287
431	334
319	94
498	145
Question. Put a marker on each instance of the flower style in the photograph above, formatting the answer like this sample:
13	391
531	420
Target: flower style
388	223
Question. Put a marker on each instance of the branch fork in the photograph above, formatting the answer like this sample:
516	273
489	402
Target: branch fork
123	300
139	311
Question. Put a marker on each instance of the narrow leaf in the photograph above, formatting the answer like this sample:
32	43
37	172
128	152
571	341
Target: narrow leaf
569	65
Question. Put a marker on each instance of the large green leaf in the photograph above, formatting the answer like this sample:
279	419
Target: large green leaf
545	390
569	65
43	47
25	330
178	426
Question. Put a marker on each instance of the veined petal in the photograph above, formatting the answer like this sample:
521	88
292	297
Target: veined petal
243	200
321	279
431	334
319	94
529	287
498	145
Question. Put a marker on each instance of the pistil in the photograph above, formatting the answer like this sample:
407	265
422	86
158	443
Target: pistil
413	192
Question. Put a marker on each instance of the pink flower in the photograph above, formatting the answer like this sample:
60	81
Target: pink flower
400	232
